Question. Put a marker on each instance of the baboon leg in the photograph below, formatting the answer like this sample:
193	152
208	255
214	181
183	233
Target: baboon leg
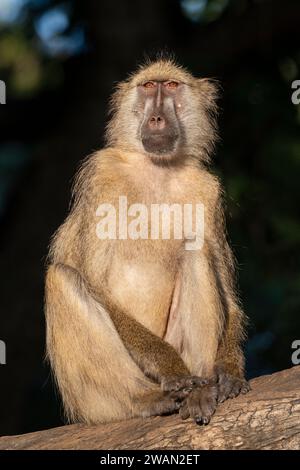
194	329
195	322
97	378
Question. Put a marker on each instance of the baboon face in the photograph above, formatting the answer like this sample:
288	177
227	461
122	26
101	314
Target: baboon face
164	112
158	104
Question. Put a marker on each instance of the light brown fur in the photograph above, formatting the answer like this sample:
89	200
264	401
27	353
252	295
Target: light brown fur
123	315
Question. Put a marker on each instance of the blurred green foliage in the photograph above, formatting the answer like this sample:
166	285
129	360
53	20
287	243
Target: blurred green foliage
35	40
260	163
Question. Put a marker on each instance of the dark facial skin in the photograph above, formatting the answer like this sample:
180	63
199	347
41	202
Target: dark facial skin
159	104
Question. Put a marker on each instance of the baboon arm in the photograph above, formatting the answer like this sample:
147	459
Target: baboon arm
97	378
230	356
157	358
208	314
229	365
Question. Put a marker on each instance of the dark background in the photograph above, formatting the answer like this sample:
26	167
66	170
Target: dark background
60	60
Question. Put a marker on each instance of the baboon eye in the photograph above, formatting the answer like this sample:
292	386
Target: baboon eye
149	85
172	85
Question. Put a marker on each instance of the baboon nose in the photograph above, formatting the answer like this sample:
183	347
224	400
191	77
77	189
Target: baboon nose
157	123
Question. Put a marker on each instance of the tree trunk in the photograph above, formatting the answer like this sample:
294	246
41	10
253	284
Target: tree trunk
268	417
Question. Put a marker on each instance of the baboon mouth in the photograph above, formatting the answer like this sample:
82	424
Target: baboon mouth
160	142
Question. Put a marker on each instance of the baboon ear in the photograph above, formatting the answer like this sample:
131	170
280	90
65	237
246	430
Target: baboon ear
209	90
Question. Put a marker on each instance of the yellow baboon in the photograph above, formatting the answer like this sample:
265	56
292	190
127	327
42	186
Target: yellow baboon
139	327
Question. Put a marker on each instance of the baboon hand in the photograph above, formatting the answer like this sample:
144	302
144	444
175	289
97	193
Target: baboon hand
188	382
163	403
230	386
200	404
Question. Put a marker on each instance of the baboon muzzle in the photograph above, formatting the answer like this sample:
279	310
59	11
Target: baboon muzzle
159	132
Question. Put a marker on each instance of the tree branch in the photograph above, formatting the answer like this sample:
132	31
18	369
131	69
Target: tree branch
268	417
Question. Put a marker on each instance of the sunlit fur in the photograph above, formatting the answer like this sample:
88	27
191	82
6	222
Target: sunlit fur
114	307
198	115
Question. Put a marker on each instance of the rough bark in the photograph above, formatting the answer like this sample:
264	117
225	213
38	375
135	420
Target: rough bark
266	418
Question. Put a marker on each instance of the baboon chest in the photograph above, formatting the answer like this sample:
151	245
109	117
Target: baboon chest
143	287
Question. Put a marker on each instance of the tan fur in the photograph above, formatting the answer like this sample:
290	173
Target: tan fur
199	116
120	311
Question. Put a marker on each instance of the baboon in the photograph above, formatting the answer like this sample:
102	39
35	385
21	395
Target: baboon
141	327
